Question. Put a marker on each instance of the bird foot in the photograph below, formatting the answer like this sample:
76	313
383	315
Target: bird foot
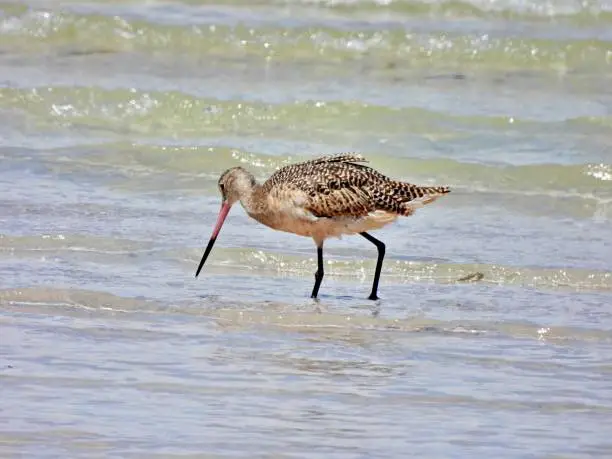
373	297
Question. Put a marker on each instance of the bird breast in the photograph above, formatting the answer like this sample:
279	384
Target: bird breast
289	214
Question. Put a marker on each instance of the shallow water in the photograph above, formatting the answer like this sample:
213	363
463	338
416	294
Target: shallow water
116	119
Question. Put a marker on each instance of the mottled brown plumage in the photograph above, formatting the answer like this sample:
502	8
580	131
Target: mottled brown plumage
325	197
339	186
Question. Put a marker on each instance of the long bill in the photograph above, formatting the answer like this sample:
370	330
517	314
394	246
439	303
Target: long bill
225	208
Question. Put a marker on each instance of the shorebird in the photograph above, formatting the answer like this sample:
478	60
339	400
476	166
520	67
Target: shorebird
322	198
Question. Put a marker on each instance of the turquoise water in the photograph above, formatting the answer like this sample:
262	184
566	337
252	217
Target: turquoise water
116	120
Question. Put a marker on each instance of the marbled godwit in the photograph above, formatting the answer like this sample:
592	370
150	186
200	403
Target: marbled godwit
322	198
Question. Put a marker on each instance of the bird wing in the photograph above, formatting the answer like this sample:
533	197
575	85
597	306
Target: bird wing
340	158
344	201
336	186
327	187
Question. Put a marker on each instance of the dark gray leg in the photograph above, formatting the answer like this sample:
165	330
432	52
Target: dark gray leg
381	255
319	273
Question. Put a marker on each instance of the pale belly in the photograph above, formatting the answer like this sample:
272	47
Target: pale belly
320	228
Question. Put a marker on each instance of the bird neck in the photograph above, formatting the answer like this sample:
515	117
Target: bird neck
246	195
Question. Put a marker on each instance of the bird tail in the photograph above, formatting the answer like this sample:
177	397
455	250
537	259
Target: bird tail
413	197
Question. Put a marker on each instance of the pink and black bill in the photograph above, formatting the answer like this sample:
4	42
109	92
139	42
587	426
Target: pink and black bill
225	208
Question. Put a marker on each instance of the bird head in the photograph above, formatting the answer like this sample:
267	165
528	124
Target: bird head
233	184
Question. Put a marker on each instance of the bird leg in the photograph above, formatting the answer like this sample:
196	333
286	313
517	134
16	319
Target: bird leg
381	254
319	274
